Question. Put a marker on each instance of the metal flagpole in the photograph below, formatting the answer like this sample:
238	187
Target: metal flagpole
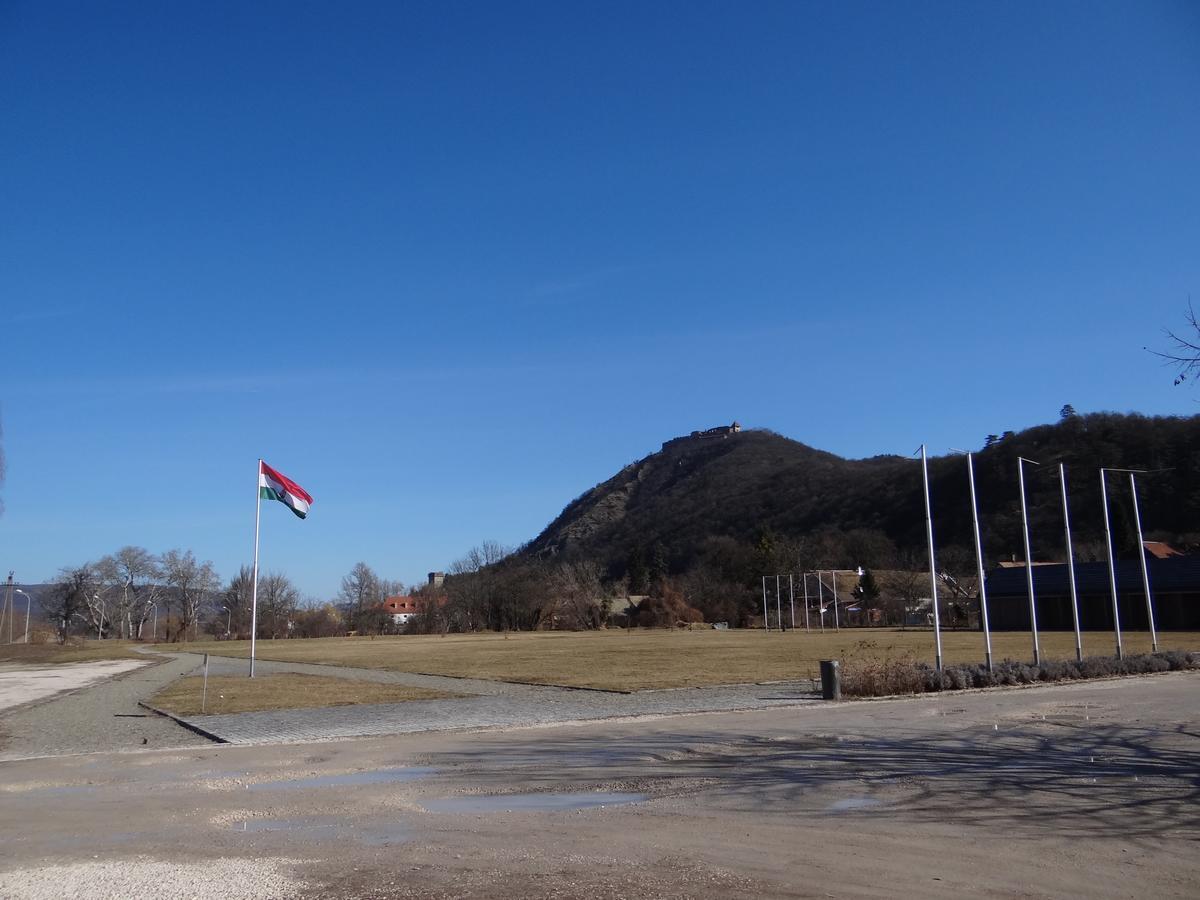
254	589
1112	571
937	625
1062	476
766	621
804	582
1028	558
778	605
983	613
1137	521
792	597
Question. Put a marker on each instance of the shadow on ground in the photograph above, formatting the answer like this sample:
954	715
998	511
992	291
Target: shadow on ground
1091	780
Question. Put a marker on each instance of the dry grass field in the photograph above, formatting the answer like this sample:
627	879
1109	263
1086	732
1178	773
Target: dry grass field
649	659
238	694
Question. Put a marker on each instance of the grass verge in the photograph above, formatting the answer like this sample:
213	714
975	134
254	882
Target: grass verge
238	694
654	658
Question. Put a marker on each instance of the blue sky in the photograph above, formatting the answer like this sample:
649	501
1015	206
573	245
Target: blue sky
450	264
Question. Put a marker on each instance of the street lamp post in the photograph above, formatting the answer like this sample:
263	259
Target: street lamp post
937	626
28	604
1112	570
1062	477
983	611
228	619
1137	521
1028	557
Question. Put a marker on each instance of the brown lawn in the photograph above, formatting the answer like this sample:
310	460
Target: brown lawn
647	659
238	694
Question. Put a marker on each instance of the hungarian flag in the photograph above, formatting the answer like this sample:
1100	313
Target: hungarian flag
274	485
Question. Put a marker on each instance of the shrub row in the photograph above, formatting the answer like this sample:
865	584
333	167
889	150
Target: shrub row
908	677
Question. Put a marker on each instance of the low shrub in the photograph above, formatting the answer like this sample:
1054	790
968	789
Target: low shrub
906	676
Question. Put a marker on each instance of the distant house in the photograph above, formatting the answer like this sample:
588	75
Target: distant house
400	609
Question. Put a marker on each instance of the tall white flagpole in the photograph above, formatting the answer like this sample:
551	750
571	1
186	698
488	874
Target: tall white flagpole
254	589
937	627
1037	650
1137	521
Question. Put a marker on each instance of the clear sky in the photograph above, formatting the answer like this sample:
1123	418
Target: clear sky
447	265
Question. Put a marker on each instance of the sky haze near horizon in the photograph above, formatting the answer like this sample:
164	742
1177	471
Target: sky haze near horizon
449	265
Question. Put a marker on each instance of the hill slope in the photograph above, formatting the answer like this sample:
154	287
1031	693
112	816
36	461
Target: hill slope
760	493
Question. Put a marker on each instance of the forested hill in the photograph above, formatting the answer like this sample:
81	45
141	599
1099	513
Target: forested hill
732	500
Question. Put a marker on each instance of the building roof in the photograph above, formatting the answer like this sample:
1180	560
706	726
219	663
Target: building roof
1175	574
400	604
1160	549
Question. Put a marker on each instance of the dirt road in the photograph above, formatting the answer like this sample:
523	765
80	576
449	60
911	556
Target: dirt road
1085	789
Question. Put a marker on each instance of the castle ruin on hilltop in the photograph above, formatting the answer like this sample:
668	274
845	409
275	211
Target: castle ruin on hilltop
721	431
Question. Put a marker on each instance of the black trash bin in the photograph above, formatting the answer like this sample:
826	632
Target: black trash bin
831	680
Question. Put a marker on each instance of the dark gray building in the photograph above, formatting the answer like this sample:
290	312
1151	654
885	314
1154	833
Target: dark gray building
1174	587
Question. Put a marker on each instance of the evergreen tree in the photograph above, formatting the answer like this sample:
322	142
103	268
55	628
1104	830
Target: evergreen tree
868	589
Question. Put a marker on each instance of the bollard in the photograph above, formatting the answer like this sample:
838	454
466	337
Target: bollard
831	680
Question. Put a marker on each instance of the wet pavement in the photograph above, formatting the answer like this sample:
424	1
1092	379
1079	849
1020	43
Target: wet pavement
1085	789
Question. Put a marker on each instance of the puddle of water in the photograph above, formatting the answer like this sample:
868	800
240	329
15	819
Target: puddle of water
377	776
532	802
381	835
324	827
258	826
853	803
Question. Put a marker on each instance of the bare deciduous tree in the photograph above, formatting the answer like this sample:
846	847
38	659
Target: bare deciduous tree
192	585
277	602
129	585
1184	356
486	554
68	600
577	594
360	591
237	600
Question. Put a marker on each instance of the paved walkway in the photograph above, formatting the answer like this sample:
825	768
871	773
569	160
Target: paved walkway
489	704
100	718
107	717
21	684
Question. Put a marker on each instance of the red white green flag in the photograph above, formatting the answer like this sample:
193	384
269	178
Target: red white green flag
274	485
